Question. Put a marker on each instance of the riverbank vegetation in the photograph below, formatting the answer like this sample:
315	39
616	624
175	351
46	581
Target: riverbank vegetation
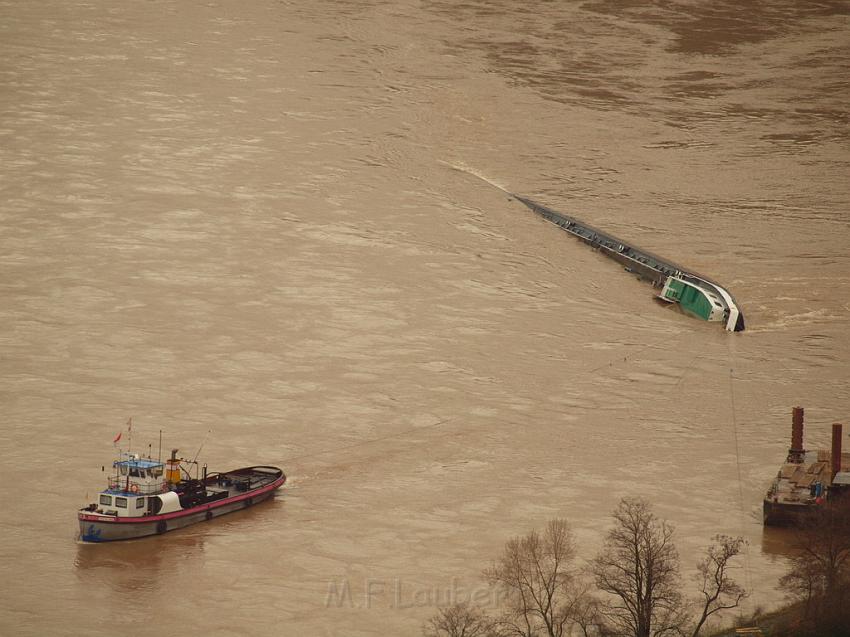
633	586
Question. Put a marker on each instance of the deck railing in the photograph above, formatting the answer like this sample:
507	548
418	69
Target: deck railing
136	488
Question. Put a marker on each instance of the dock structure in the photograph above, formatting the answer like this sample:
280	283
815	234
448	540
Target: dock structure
807	479
696	294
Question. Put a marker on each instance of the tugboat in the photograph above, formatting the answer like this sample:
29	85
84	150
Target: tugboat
148	497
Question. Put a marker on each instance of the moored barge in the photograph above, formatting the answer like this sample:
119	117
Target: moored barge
807	479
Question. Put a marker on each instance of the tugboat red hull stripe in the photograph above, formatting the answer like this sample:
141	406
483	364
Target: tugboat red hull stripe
87	517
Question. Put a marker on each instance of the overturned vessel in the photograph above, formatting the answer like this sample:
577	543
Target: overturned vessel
696	295
148	497
807	479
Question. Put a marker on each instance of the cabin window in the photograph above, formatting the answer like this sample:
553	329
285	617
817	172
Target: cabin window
156	472
106	500
135	473
140	503
123	469
121	502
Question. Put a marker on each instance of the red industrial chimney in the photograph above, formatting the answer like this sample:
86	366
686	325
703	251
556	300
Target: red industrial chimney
836	449
796	452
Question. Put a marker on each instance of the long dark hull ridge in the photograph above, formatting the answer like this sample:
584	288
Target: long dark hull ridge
646	265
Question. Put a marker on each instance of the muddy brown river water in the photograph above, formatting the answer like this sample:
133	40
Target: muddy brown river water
276	222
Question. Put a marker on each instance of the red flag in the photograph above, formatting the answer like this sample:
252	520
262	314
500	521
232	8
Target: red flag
117	438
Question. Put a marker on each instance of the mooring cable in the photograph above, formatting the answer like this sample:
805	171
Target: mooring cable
747	570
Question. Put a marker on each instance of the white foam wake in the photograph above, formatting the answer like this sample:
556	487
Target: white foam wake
475	173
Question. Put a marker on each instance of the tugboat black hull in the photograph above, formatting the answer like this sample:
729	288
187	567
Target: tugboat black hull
222	494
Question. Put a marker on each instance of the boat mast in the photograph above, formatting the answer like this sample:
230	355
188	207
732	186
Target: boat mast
199	451
129	447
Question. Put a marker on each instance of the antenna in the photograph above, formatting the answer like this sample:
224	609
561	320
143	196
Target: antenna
202	445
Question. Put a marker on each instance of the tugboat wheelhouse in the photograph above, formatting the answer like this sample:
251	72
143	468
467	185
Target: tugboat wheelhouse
148	497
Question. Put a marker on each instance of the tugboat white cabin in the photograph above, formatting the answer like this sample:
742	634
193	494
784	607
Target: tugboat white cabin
140	487
148	497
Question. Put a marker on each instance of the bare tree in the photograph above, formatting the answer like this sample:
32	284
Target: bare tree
800	582
537	572
719	591
587	615
820	571
460	620
638	567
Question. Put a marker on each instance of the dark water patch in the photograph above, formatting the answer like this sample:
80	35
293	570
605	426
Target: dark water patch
701	90
718	28
662	58
839	117
794	142
563	53
672	144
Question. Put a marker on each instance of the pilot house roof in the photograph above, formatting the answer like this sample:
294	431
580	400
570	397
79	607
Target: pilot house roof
140	463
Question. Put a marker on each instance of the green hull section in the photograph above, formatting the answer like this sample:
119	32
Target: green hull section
693	299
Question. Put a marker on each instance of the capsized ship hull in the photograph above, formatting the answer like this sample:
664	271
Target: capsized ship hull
698	296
